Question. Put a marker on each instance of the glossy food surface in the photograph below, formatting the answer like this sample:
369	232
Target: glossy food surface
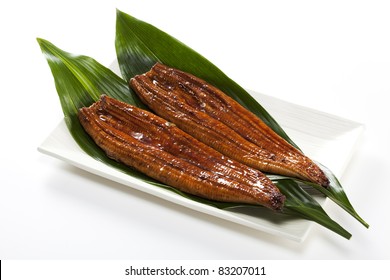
214	118
162	151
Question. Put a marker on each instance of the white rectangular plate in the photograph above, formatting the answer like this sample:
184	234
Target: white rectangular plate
325	138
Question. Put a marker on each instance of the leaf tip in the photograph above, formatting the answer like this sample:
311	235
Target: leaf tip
42	43
40	40
119	13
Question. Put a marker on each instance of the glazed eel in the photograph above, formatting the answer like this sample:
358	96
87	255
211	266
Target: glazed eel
161	150
219	121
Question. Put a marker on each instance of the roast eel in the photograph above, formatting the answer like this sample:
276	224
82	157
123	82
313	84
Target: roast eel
159	149
216	119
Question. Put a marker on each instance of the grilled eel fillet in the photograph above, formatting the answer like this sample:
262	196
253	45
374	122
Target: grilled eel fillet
216	119
161	150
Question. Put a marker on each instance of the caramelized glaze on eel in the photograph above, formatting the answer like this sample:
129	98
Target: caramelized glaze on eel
216	119
161	150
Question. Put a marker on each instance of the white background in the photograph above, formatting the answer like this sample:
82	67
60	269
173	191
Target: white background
333	56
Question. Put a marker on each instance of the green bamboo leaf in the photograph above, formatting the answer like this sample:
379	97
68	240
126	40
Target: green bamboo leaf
301	203
140	45
338	195
80	80
336	192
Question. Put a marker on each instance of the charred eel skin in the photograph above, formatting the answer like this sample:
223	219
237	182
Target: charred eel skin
219	121
161	150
